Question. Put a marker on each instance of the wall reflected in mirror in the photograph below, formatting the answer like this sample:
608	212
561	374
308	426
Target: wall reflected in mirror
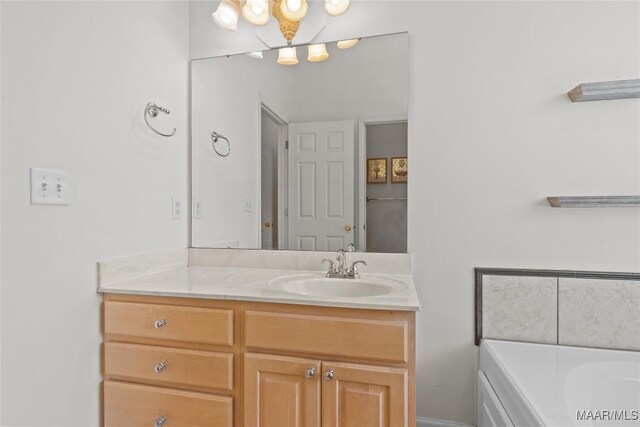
301	138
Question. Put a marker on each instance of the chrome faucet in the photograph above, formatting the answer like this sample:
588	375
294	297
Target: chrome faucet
340	270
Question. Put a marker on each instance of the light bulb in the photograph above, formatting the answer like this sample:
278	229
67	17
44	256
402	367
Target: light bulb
226	15
256	12
317	52
294	5
296	12
287	56
346	44
336	7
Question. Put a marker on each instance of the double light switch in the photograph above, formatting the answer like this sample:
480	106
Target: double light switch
49	187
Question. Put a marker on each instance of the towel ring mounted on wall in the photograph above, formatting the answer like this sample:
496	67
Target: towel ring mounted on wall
153	110
215	137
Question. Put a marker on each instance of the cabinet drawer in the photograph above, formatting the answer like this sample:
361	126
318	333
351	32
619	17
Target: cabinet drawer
169	322
169	366
385	340
139	405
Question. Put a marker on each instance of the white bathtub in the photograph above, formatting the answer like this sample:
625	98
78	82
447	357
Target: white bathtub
552	385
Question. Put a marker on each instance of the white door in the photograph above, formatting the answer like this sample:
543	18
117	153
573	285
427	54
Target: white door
321	185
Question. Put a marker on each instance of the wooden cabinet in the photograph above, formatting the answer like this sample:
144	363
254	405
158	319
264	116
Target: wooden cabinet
281	391
138	405
293	392
361	395
182	362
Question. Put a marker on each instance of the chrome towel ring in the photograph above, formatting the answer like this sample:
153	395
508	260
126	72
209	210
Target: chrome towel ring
153	110
215	137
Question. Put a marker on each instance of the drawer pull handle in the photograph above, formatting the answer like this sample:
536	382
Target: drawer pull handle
159	422
159	323
309	373
160	367
328	375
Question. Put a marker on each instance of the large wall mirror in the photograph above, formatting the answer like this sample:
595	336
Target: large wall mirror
305	156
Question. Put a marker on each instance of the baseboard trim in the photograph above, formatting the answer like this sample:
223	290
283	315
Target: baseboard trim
430	422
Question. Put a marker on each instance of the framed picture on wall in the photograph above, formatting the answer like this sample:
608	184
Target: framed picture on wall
377	171
399	169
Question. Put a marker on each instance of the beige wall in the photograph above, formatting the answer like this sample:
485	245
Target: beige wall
76	77
494	134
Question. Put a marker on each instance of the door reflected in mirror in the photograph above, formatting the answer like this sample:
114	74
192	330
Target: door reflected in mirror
302	138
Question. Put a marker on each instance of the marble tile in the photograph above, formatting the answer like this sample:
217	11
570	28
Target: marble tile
520	308
127	268
599	313
296	260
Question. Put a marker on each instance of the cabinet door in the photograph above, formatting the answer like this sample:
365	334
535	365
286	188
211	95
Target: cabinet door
355	395
281	391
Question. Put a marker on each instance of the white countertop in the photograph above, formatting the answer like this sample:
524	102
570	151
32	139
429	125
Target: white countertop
550	383
253	284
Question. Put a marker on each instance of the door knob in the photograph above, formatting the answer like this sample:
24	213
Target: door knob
309	373
347	227
328	375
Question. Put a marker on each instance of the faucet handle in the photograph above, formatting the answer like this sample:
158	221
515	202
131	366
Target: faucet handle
353	270
351	247
332	265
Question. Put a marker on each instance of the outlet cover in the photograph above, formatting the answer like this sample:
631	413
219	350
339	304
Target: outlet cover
197	209
178	207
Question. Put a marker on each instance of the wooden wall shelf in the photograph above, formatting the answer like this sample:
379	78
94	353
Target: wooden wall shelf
600	91
594	201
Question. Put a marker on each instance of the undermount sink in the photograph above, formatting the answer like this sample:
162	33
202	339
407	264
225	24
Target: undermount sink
321	286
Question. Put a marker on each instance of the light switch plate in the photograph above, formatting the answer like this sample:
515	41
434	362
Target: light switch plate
177	207
49	187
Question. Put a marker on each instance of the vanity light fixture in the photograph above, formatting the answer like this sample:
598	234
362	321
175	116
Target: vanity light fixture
294	10
256	12
336	7
317	52
287	56
288	13
226	15
346	44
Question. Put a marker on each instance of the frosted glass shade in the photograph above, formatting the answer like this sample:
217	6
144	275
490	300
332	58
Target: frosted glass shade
287	56
317	52
256	12
294	10
226	15
346	44
336	7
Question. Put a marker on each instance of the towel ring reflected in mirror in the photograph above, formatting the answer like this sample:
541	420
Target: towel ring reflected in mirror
215	137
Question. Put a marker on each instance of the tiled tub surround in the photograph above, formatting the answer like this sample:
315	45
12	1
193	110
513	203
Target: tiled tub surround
589	309
244	275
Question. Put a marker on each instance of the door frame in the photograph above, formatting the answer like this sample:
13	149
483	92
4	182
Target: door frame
282	121
361	170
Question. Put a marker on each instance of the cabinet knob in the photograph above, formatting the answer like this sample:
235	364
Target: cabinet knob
159	323
159	422
328	375
309	373
160	367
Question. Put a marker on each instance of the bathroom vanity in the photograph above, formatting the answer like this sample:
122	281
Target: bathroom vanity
215	345
275	338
